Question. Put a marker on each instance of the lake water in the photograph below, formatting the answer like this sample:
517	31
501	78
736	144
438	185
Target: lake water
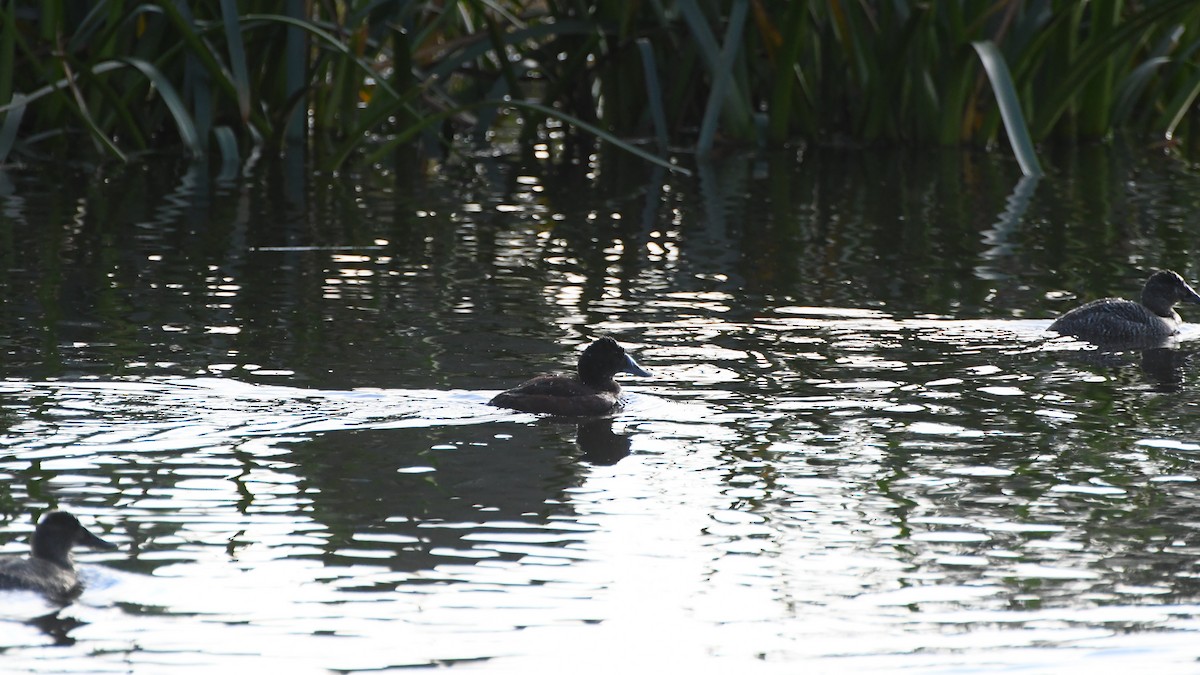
859	450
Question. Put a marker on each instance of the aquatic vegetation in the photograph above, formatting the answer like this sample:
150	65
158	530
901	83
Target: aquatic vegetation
411	80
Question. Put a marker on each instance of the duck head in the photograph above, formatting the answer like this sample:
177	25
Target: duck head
603	359
1165	288
57	533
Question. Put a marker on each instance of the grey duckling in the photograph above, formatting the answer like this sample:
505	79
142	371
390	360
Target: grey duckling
593	392
1114	320
49	569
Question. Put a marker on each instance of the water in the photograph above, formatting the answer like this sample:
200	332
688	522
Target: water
859	451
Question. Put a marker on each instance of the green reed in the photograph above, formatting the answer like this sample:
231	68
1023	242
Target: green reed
366	79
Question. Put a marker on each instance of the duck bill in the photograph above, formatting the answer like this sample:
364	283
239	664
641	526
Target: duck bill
1190	295
633	368
88	539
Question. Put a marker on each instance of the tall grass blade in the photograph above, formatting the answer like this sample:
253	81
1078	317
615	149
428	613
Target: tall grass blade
1132	87
1093	58
711	52
696	21
1179	107
183	123
199	85
180	17
328	40
722	77
12	122
55	87
230	157
1010	107
654	94
295	74
1139	84
237	56
786	74
1094	109
8	49
94	29
118	110
80	110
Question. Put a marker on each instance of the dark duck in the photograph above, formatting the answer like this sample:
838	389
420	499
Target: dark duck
1118	321
49	569
592	392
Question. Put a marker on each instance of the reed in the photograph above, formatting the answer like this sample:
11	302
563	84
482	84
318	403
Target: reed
361	80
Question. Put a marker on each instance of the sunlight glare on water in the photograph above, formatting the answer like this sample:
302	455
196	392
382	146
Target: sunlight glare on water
833	467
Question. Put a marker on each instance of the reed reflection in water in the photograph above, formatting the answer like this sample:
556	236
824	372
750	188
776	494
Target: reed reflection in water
860	451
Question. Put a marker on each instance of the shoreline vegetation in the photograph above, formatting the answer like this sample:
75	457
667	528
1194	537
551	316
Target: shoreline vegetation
396	81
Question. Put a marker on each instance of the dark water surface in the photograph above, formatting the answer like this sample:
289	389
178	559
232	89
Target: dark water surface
859	452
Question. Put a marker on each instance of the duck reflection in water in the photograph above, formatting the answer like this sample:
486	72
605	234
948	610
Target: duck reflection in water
592	392
600	444
49	569
1162	366
1111	322
1165	367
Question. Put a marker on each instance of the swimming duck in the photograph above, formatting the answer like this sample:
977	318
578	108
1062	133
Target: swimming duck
1113	320
593	392
49	569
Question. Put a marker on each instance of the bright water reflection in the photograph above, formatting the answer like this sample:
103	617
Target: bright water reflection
839	468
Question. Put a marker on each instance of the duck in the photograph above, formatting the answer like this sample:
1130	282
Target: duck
49	569
1115	320
593	391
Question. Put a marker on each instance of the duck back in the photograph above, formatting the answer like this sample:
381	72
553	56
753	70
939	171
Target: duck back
1114	319
43	576
558	395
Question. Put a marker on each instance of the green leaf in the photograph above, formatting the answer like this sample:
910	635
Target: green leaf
230	157
237	56
1010	107
12	121
718	96
1132	87
1181	104
184	123
1094	57
654	93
